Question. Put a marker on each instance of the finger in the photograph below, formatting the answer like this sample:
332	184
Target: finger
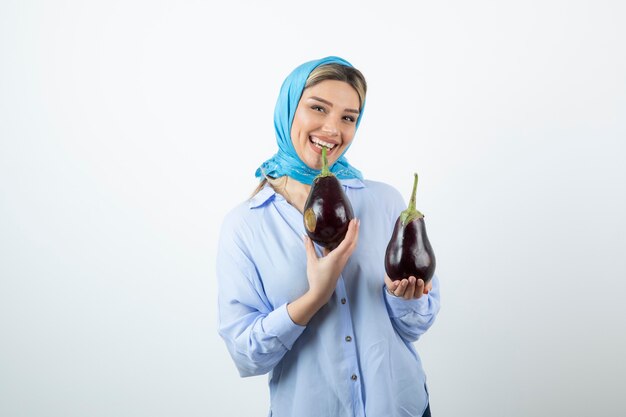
391	285
357	231
388	281
352	235
348	243
410	289
401	287
419	288
428	287
310	250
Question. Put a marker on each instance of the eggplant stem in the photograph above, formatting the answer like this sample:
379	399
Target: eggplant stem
412	201
325	171
411	213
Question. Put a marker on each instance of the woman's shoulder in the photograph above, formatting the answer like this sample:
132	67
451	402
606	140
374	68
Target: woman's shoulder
382	195
380	187
240	211
383	190
238	220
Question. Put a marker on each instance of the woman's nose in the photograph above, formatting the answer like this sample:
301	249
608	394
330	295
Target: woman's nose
330	128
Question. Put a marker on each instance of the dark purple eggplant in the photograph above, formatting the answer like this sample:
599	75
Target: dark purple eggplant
327	211
409	252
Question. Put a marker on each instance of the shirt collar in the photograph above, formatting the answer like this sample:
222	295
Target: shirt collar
267	193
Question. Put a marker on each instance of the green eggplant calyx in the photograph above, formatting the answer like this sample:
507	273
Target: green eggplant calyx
407	216
411	213
325	171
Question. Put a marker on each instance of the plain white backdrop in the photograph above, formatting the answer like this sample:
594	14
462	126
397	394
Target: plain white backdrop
129	128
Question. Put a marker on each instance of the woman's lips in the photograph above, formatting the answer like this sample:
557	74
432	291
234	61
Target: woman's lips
318	148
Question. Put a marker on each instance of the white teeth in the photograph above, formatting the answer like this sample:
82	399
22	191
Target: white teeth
321	143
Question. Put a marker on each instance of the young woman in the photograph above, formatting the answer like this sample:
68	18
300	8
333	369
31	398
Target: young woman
332	330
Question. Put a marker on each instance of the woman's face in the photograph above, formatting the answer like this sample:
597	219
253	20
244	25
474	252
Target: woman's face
326	115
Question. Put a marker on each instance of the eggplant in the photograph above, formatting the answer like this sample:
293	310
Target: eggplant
409	252
327	211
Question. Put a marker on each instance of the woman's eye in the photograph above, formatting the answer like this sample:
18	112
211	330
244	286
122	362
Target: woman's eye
318	108
351	119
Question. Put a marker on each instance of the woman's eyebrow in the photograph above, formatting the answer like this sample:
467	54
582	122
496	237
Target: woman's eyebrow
331	104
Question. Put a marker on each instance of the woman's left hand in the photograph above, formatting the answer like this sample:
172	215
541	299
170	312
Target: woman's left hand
408	288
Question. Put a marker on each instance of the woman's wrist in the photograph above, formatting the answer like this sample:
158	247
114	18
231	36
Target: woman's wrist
304	308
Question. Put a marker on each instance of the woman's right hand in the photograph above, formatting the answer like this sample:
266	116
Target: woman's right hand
324	272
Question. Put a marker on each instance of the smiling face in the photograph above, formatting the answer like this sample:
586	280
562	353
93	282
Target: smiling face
326	116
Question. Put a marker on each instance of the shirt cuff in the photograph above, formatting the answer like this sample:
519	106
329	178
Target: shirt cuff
399	307
279	324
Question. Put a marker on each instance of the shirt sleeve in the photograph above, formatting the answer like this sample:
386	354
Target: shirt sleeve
256	335
412	318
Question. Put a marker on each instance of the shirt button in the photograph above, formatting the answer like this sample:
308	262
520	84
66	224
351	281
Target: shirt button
353	377
348	339
343	301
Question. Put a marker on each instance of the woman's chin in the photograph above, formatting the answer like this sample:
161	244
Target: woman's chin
314	166
315	162
312	161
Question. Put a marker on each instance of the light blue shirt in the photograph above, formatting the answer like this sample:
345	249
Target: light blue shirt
356	355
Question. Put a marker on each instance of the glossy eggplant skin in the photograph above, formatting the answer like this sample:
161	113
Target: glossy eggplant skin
327	212
409	252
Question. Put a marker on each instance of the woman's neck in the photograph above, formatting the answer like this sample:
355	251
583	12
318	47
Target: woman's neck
295	192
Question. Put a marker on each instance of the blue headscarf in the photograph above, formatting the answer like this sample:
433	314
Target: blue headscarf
286	161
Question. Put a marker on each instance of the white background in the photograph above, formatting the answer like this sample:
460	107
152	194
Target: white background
129	128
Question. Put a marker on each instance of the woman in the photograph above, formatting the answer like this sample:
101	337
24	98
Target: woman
332	330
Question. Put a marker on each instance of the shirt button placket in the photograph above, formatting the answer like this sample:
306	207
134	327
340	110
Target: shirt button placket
350	350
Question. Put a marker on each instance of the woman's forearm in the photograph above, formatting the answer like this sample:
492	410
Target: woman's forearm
304	308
